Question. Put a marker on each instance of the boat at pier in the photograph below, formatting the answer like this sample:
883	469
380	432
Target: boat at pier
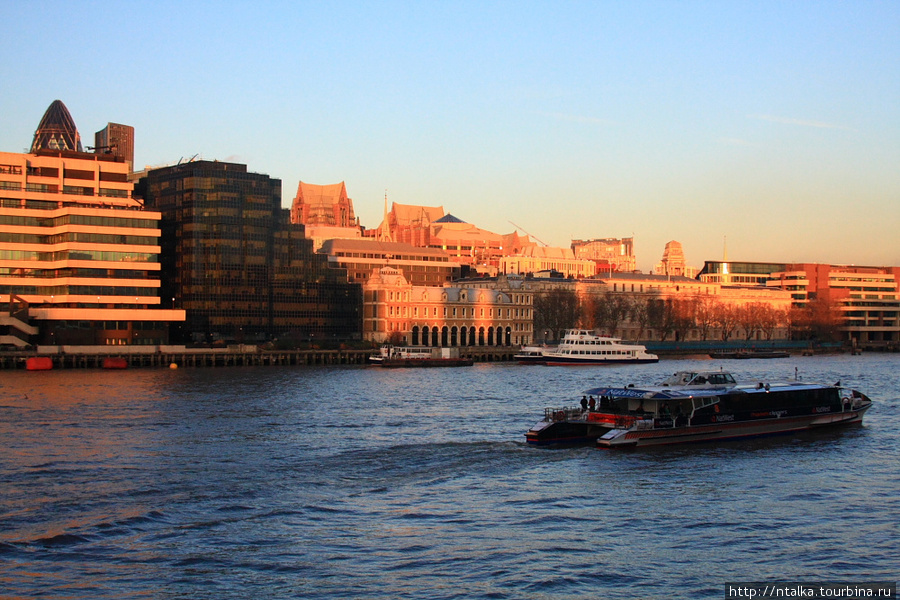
583	347
418	356
532	355
698	407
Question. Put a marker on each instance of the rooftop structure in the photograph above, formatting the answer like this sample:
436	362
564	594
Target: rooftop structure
738	273
326	205
420	266
467	244
609	253
535	259
57	130
673	262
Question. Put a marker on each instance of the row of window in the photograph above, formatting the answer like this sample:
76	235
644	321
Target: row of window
84	290
389	256
77	236
77	272
95	221
465	312
78	255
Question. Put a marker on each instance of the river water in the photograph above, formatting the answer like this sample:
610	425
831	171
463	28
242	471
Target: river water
359	482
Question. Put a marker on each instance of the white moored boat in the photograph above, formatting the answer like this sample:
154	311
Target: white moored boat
583	347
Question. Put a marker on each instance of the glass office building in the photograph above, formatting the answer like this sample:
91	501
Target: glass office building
232	259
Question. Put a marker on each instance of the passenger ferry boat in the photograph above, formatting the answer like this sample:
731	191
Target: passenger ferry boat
582	347
418	356
697	407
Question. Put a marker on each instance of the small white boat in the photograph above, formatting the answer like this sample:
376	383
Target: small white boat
533	355
418	356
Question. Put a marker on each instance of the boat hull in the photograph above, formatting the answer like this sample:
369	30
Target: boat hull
631	438
565	433
39	363
405	363
558	361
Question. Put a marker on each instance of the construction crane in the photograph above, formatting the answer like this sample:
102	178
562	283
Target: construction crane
528	234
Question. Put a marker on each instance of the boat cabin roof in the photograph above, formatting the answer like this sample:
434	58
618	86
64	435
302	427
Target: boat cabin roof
693	378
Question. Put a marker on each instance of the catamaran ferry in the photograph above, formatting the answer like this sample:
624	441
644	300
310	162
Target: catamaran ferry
697	407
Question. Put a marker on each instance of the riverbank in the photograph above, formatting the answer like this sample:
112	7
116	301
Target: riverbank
98	357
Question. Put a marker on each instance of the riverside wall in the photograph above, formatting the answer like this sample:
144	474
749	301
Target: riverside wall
94	357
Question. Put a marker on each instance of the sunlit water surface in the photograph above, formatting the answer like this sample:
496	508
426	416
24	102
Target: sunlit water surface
357	482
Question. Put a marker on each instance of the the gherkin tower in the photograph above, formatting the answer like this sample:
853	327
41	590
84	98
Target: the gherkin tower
57	130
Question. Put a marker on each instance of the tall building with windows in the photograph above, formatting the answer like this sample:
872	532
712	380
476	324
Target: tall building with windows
116	140
57	130
79	257
237	265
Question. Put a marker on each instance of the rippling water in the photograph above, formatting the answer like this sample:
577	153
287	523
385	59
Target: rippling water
365	483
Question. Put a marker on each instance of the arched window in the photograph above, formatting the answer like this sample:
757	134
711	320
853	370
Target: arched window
490	338
454	337
508	336
445	336
434	336
425	335
415	335
481	336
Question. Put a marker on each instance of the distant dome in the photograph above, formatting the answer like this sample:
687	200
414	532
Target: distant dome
448	218
57	130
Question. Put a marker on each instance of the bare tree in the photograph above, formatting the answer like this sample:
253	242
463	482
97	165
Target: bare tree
769	320
683	311
748	316
609	310
704	315
640	314
725	319
555	311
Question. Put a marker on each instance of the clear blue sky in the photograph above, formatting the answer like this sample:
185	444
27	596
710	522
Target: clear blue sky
774	124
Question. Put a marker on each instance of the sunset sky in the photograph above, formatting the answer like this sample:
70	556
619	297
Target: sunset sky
775	125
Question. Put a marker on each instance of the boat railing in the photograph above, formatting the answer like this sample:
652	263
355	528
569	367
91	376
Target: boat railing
562	414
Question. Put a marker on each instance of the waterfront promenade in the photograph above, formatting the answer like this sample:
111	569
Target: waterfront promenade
73	357
241	355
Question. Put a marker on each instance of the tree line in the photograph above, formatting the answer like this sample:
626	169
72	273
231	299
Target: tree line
673	318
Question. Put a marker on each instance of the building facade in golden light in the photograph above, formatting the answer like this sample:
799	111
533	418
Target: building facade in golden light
117	140
78	254
537	259
464	243
421	266
866	299
614	253
398	312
